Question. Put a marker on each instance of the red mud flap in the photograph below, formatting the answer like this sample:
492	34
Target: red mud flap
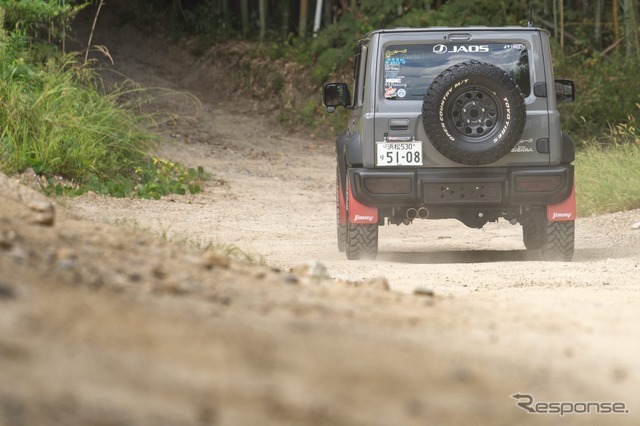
358	212
564	210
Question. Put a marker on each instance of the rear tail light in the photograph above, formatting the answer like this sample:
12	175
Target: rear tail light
388	185
537	183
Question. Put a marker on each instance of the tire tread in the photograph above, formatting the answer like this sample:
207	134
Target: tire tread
559	244
362	241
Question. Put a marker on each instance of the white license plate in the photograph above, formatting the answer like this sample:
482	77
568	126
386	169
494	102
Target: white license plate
399	153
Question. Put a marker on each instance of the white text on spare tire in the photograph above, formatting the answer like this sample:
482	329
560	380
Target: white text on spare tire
506	123
441	110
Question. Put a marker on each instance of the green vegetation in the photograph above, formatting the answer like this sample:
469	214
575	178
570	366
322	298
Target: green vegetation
607	92
608	171
55	121
53	17
597	44
607	179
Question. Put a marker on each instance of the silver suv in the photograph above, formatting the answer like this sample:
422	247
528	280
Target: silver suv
454	123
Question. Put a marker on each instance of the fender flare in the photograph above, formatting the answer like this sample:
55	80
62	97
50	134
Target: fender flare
568	149
341	144
353	152
348	154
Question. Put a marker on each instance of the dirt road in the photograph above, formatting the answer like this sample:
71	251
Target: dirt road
491	321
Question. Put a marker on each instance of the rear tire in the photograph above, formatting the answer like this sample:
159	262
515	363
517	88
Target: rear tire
362	241
533	231
555	240
559	241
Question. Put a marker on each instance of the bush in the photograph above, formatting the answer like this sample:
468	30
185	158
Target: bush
57	126
55	121
608	171
607	92
34	16
464	13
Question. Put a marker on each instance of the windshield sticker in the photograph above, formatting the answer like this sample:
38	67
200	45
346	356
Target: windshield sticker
402	55
471	48
395	61
391	67
402	93
390	92
391	53
395	82
395	58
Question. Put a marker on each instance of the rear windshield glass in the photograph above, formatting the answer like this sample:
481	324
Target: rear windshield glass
410	69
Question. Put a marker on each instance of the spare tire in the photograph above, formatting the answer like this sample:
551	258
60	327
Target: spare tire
474	113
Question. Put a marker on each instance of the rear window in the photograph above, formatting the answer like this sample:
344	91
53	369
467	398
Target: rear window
410	69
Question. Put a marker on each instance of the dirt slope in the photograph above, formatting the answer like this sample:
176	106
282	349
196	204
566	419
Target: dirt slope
103	323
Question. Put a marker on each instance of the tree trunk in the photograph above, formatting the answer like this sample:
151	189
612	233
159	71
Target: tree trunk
317	19
328	15
302	22
286	17
616	24
244	12
262	10
630	28
561	7
555	18
598	23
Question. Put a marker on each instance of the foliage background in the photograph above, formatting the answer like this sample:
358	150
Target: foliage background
57	120
595	42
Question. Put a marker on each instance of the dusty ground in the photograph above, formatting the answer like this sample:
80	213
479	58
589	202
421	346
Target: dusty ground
130	312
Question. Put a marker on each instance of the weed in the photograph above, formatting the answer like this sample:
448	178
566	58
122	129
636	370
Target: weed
238	253
607	175
56	122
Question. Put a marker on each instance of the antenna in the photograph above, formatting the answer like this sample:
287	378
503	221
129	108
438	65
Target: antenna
530	22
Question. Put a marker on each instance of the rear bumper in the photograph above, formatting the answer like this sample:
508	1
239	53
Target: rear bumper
459	187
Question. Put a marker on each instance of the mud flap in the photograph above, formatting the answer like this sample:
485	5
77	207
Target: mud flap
564	210
358	212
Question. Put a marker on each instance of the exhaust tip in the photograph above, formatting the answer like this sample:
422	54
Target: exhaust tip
412	213
423	213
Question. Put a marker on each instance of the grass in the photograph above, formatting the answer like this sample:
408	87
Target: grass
165	234
608	171
57	125
56	121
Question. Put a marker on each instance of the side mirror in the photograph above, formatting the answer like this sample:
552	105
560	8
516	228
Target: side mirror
335	95
565	91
